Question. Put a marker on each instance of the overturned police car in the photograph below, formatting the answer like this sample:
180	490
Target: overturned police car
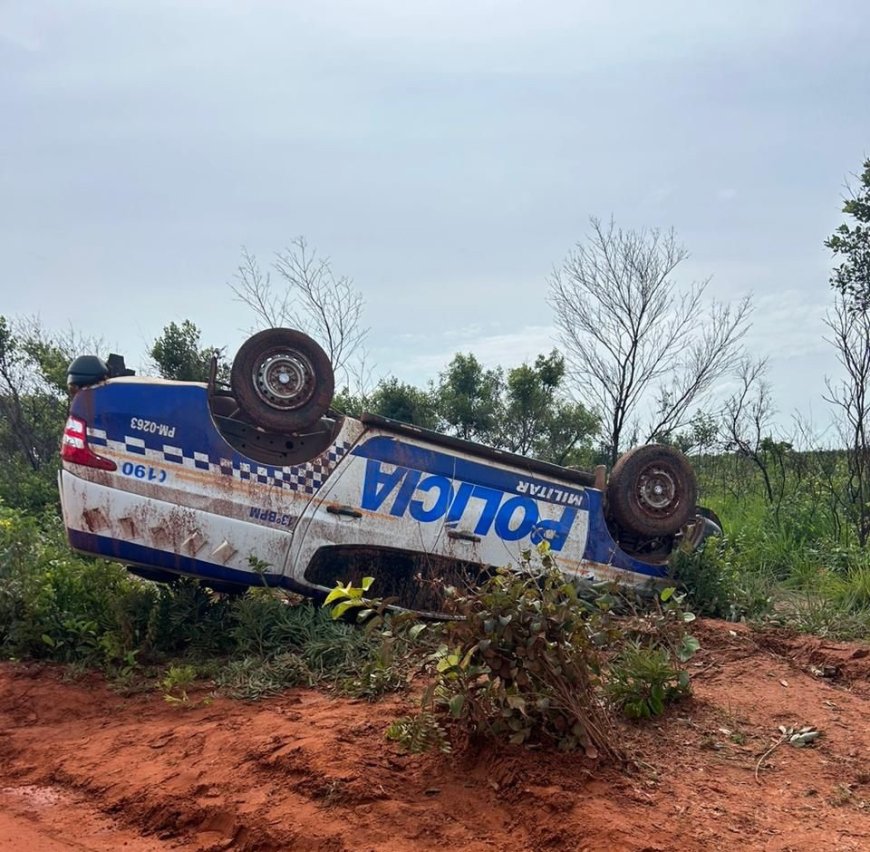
261	482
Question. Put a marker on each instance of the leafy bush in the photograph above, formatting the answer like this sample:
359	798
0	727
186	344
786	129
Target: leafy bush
267	624
54	604
521	664
643	680
28	489
183	617
530	658
718	582
765	575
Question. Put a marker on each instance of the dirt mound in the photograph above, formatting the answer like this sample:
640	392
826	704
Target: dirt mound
83	768
844	661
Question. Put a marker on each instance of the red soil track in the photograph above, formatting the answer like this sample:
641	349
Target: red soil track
85	769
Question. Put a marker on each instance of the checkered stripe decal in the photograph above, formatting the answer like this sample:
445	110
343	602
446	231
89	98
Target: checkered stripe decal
306	478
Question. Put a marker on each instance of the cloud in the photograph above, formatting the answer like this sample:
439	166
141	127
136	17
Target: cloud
435	351
788	324
19	28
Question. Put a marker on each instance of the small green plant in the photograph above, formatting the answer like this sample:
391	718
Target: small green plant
645	671
642	681
392	636
382	672
175	683
419	733
252	678
266	623
669	622
717	583
344	599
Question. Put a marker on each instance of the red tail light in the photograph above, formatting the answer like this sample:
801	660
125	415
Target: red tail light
74	446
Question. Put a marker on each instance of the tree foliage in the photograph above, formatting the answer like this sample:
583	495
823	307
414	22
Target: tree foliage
468	398
851	244
405	402
33	365
537	419
178	354
523	410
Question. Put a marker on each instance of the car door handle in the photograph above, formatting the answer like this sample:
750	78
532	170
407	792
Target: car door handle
346	511
462	535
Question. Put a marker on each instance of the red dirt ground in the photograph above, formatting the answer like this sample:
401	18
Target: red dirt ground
83	768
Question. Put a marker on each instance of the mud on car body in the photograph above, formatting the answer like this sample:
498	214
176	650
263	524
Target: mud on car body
262	483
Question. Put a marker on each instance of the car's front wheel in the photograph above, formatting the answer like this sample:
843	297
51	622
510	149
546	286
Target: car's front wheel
652	491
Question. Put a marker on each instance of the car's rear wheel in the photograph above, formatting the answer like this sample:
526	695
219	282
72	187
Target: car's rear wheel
652	491
282	380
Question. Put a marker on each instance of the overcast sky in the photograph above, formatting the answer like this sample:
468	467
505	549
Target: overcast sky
443	154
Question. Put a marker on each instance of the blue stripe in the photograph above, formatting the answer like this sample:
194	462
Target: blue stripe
151	557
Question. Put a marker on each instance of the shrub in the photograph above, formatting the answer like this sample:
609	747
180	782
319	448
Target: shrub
267	623
642	680
419	733
522	664
531	656
54	604
719	583
183	617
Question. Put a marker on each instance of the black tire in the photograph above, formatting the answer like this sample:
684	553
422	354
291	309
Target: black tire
282	380
652	491
710	515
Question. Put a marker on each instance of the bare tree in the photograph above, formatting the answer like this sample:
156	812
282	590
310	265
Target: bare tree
307	296
634	337
747	420
815	466
850	336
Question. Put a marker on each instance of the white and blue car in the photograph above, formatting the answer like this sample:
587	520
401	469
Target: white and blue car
262	483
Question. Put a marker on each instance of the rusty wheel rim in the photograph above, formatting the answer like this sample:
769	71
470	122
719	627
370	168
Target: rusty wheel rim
284	380
657	491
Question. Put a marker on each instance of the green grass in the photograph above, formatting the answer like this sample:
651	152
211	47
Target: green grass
57	606
794	562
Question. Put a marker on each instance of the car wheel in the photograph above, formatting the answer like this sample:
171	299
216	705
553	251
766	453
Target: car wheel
282	380
652	491
710	515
